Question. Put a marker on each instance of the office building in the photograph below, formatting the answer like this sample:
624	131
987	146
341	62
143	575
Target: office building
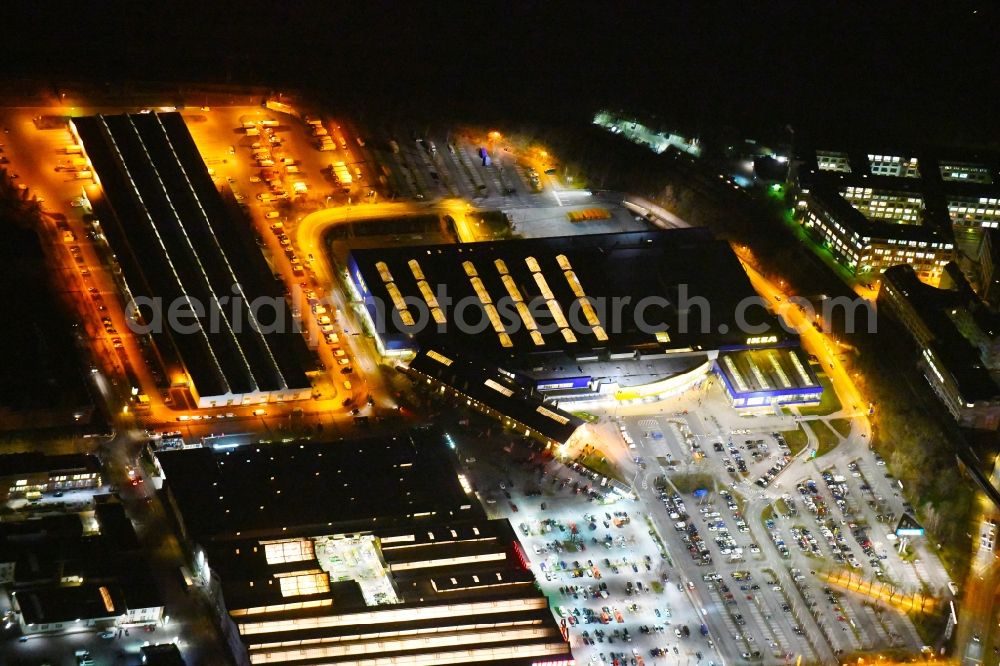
873	210
957	341
62	576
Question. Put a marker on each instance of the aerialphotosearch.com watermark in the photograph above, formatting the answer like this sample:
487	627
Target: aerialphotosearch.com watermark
686	314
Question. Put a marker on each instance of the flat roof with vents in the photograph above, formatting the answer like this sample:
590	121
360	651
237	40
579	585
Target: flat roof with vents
535	296
177	240
454	592
365	552
356	484
769	374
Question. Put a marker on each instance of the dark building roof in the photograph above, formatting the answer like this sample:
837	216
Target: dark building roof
61	526
33	463
829	198
67	604
355	484
932	305
162	654
140	592
53	604
41	382
175	239
116	527
498	391
384	556
697	274
46	551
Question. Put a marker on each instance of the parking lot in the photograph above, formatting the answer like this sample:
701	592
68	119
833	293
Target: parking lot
729	571
595	557
740	532
770	524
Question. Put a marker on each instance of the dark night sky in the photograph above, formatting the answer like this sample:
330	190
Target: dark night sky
926	70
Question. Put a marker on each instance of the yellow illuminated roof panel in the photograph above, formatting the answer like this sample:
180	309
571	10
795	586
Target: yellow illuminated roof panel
415	269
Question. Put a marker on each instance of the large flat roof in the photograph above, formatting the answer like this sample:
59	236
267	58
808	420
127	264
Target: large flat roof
460	588
175	238
697	275
32	462
50	549
41	382
245	565
286	488
67	603
358	552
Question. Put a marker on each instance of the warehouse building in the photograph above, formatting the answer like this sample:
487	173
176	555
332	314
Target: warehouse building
179	246
597	296
362	553
525	327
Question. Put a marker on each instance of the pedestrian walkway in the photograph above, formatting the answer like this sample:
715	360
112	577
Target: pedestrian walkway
881	592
